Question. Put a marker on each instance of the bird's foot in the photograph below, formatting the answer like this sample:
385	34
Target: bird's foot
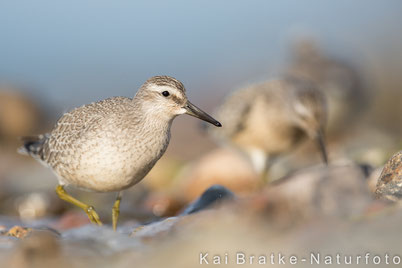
93	216
89	210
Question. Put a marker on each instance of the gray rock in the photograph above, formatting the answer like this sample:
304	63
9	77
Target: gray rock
37	249
389	185
212	196
93	240
156	228
338	191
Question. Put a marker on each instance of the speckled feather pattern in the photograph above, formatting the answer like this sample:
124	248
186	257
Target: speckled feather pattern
165	81
111	144
105	146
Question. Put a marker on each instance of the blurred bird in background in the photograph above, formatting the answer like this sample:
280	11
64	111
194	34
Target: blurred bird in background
269	119
341	82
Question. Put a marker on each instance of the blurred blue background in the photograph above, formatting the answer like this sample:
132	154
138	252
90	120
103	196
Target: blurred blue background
75	52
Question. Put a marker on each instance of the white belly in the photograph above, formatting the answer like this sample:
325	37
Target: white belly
107	165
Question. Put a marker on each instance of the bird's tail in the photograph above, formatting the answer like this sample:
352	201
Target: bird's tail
33	145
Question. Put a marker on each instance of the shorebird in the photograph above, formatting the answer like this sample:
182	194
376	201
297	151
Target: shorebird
268	119
341	81
110	145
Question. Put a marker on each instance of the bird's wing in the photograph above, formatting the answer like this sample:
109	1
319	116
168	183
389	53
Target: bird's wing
72	126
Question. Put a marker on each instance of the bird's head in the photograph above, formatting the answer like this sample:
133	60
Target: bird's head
166	97
310	108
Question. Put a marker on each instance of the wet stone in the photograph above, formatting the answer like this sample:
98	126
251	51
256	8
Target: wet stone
337	191
38	249
155	229
212	196
389	185
94	240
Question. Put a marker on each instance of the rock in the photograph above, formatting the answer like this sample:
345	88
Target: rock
39	249
155	229
7	242
389	185
19	232
338	191
228	232
221	166
92	240
342	192
70	220
212	196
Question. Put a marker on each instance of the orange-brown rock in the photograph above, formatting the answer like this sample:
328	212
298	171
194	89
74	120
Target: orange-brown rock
19	232
221	166
389	185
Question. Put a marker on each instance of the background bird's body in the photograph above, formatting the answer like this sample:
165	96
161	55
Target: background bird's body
271	118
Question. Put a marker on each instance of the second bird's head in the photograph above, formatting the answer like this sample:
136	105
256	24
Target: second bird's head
166	97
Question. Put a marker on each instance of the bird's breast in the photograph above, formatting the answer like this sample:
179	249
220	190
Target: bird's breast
118	159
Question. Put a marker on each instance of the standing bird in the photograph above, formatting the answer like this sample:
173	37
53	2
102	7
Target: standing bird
269	119
110	145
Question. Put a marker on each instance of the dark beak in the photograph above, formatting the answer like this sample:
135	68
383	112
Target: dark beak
322	147
197	112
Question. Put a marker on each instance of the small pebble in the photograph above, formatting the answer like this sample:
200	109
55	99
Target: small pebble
19	232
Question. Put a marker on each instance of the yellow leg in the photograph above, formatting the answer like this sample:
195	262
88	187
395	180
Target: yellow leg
116	210
90	210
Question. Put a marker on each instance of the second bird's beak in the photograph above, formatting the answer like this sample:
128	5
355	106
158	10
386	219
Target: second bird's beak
322	146
193	110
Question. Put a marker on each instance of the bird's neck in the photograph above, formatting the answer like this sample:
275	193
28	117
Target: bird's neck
153	119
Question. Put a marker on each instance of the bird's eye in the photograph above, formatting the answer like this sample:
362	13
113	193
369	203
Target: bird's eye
165	93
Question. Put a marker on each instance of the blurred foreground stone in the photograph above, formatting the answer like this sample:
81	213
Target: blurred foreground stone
339	192
41	249
316	210
389	185
221	166
213	196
